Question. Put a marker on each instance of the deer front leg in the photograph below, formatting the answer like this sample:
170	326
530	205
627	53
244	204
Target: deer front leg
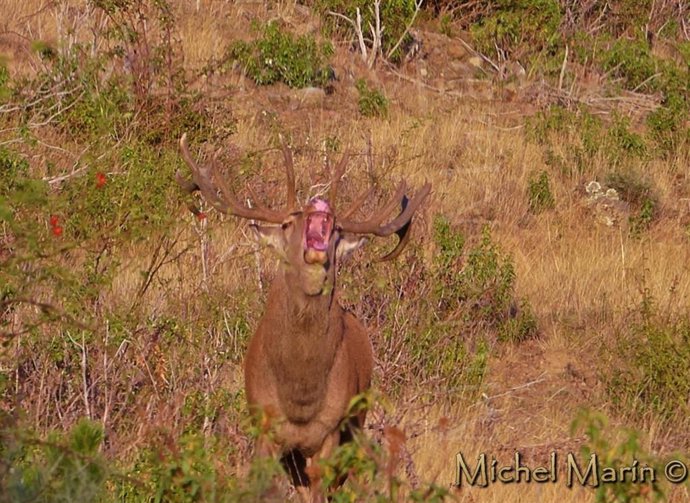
267	450
314	493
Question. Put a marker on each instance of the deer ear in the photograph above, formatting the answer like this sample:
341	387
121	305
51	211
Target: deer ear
270	236
347	244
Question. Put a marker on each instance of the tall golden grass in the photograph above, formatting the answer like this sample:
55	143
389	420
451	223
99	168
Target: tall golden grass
581	278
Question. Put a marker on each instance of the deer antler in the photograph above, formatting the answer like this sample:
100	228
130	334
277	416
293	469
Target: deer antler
290	172
399	225
336	175
207	180
373	225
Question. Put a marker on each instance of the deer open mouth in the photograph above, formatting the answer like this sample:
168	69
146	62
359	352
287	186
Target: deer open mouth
318	226
317	231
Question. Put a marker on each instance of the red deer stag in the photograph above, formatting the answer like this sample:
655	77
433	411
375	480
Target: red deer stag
308	357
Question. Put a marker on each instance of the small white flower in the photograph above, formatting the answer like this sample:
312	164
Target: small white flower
593	187
612	194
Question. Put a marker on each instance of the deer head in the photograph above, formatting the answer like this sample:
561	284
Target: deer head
312	240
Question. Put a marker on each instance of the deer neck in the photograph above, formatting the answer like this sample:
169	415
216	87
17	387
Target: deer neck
304	317
302	335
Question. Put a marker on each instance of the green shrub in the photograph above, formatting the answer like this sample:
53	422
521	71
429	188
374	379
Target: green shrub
641	220
371	471
279	56
576	141
5	91
476	286
445	320
618	455
372	102
472	288
556	119
539	194
667	125
651	372
571	139
632	61
519	327
138	200
103	112
486	282
13	171
61	468
445	25
622	143
174	470
450	245
518	27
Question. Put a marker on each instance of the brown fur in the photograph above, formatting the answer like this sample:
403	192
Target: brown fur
307	360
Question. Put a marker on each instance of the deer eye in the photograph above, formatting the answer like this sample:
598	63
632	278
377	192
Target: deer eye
285	225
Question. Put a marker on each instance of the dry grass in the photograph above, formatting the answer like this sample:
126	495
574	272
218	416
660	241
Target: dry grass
582	278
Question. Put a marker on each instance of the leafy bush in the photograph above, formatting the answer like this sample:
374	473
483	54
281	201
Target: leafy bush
572	139
632	61
372	102
623	144
641	221
520	326
371	470
279	56
539	194
472	289
622	454
64	467
144	189
482	288
518	27
576	141
178	471
651	372
667	125
5	91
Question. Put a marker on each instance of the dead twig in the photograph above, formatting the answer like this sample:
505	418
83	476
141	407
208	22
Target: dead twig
563	66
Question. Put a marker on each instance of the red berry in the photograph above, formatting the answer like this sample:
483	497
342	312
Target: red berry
54	220
201	215
100	179
57	230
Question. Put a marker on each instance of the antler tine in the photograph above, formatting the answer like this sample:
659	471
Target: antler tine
372	226
291	204
206	178
358	203
200	180
188	186
403	238
379	215
338	173
399	194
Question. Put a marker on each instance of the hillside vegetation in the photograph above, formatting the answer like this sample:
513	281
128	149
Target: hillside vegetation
542	305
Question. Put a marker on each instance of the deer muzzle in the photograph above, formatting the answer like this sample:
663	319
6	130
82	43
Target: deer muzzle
318	228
